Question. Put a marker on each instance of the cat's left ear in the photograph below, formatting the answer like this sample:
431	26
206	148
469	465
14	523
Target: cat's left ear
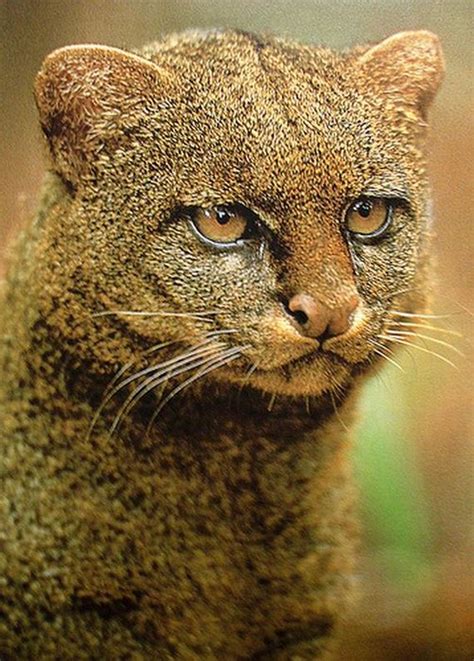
408	67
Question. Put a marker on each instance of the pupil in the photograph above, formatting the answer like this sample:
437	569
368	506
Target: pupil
223	216
365	209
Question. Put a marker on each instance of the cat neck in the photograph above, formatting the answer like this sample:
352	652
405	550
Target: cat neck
74	390
206	409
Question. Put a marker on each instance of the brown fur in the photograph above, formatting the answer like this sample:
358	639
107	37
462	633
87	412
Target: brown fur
226	530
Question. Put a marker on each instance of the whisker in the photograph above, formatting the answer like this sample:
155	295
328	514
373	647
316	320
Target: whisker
109	392
247	376
271	403
196	349
336	411
147	370
419	315
202	316
128	365
398	340
437	294
246	379
250	371
162	373
379	377
404	333
338	389
386	357
383	351
413	324
208	366
307	405
223	331
400	292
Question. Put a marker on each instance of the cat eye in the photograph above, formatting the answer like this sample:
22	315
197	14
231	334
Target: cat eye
222	226
369	217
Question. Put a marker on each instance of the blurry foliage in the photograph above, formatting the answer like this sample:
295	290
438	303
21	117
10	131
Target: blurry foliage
392	493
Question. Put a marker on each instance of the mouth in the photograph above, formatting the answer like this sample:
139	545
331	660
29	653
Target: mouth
312	374
313	357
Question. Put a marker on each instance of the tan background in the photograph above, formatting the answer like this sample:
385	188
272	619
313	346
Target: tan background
416	619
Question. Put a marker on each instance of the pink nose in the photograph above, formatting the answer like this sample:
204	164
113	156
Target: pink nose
315	319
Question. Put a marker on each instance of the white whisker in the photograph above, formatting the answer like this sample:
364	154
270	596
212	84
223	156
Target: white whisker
400	292
398	340
109	392
208	366
201	316
419	315
128	365
224	331
405	333
162	373
413	324
147	370
250	371
112	389
336	411
271	403
383	351
246	379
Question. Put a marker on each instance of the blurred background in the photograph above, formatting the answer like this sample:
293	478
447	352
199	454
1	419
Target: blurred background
414	453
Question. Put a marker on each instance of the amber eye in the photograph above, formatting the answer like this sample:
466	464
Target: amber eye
369	217
220	225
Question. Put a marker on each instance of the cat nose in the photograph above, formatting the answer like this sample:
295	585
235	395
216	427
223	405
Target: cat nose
315	319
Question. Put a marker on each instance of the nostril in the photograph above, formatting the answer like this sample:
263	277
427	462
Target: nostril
308	314
299	307
298	315
315	319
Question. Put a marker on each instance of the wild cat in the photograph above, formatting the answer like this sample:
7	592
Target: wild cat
225	216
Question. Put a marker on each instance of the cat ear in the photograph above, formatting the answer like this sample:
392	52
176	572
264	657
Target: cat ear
407	66
85	95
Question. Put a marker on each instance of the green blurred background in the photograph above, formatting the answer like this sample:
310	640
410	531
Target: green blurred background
414	453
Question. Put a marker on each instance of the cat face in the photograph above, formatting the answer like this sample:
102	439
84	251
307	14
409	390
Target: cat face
267	200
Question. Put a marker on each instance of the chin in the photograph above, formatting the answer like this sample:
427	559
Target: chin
305	377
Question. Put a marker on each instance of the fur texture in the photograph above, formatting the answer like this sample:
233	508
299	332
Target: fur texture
224	529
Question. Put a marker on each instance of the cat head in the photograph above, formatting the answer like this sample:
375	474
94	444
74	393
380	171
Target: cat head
260	199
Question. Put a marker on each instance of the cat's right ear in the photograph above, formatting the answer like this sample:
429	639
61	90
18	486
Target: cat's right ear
87	95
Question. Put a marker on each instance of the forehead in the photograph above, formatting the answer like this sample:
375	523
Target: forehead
273	124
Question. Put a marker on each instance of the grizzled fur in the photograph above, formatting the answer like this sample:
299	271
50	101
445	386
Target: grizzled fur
224	530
